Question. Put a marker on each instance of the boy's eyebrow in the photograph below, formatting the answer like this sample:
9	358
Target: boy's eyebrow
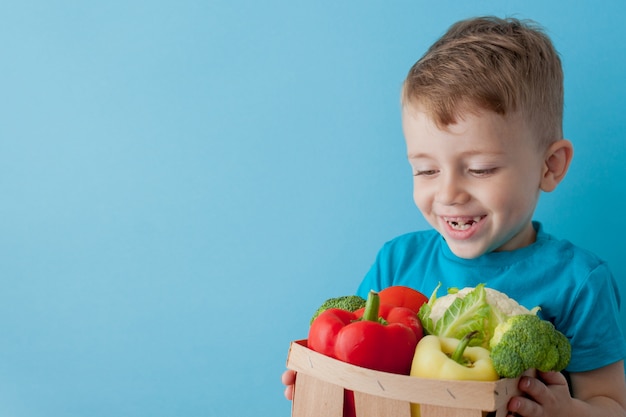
419	155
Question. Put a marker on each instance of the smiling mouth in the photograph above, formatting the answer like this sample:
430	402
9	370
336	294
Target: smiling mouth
462	224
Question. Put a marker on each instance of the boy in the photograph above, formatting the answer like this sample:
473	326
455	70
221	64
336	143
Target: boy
482	118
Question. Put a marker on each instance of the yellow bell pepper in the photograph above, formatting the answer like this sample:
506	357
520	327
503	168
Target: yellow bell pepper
433	359
447	358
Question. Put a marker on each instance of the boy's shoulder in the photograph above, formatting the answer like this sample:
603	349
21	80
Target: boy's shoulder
550	245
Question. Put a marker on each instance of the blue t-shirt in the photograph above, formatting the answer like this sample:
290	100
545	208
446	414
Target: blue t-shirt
574	288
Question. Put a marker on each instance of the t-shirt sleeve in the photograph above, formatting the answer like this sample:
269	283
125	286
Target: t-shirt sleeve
594	328
378	276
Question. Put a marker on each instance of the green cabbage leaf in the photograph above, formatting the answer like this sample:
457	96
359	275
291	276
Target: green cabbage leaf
467	314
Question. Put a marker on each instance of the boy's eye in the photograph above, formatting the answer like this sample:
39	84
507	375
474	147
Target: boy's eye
424	172
482	172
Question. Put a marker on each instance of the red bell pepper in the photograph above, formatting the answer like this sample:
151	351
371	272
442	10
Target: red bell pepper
384	345
401	296
397	314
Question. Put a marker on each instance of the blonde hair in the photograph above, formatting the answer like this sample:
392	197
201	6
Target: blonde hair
488	63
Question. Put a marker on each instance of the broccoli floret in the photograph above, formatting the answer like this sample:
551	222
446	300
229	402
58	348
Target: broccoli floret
526	341
347	302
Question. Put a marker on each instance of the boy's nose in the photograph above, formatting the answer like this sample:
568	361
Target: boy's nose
451	191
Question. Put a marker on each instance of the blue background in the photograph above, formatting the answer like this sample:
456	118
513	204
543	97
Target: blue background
182	183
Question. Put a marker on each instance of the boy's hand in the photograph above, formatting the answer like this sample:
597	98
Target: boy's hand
289	379
549	395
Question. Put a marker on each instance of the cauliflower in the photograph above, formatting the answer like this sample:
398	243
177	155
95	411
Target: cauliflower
526	341
478	308
347	302
502	306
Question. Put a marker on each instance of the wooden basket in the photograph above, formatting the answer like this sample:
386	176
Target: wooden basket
321	381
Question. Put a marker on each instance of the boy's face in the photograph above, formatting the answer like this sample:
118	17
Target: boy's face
477	181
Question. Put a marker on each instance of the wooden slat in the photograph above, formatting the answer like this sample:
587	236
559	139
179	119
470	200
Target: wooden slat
313	397
367	405
427	410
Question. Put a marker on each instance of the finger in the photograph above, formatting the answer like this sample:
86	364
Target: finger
289	392
552	378
531	386
523	407
288	377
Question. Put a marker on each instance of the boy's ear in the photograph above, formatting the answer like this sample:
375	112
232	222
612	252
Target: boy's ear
557	160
